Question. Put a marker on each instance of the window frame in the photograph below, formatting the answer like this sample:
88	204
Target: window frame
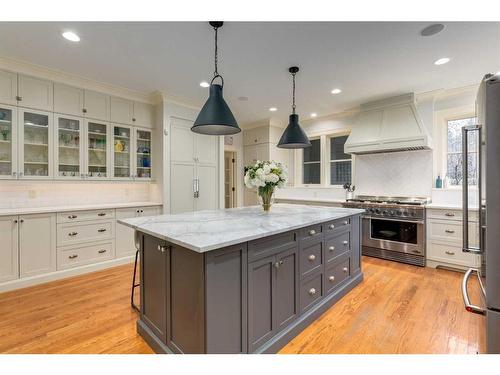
302	162
329	161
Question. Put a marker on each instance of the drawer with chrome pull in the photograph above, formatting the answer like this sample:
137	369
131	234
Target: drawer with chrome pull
311	291
77	216
313	231
451	254
79	255
311	258
334	227
451	231
68	234
336	273
334	246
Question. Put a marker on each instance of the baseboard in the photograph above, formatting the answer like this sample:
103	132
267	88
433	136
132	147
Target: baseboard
151	339
62	274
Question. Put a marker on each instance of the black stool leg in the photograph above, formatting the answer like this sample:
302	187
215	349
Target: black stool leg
134	285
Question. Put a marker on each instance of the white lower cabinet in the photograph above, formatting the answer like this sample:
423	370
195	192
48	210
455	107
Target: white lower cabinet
125	244
83	254
37	244
9	250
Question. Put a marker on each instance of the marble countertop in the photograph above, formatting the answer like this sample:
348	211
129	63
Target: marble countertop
315	200
74	207
448	206
203	231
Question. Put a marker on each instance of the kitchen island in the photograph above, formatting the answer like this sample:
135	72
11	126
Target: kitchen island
242	280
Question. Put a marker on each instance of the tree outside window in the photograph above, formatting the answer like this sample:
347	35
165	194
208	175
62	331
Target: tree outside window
312	163
340	162
454	152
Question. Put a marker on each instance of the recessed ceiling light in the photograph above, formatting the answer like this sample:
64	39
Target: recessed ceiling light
432	29
71	36
204	84
442	61
336	91
314	114
273	109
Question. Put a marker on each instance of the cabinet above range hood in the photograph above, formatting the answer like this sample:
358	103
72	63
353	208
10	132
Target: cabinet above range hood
388	125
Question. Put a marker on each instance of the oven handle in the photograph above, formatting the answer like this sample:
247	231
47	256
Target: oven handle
400	220
468	306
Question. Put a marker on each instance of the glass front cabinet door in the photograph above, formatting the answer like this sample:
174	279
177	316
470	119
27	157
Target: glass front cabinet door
8	142
35	144
142	154
97	155
68	153
122	142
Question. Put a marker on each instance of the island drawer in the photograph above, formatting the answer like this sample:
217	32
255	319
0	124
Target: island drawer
311	258
75	216
264	247
339	244
79	255
311	232
311	291
68	234
336	273
333	227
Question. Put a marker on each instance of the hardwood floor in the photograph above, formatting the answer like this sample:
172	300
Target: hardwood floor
397	309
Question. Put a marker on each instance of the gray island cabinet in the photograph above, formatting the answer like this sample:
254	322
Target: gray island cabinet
242	280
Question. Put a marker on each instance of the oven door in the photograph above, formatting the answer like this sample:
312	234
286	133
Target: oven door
405	236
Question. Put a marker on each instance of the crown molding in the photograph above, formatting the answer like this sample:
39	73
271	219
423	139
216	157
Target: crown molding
163	96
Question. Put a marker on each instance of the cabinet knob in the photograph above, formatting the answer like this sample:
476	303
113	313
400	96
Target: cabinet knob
346	222
312	257
450	214
449	252
72	234
312	232
84	110
133	119
72	217
345	242
19	98
331	248
102	251
449	231
331	226
312	292
345	269
74	256
162	248
101	230
22	220
15	221
331	278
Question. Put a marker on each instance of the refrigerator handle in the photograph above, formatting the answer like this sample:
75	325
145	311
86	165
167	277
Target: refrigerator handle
465	295
465	188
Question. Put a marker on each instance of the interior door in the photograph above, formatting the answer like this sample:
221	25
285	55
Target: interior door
69	155
8	142
181	190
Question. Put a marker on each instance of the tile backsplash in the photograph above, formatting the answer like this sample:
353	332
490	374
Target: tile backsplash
19	194
407	173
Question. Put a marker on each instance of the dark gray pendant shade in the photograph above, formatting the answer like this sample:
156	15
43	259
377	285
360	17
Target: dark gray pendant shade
294	136
215	117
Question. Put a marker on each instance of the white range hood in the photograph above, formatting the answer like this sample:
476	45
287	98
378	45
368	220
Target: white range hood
388	125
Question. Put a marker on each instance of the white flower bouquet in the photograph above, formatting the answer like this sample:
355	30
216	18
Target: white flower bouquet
266	176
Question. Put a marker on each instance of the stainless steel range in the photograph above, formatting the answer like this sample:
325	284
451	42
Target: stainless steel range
393	227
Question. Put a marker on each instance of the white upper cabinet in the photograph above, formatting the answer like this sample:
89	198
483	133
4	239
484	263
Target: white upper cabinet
206	148
96	105
182	146
68	99
143	115
35	93
8	87
122	110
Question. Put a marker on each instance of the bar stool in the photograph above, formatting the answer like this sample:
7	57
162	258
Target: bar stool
134	285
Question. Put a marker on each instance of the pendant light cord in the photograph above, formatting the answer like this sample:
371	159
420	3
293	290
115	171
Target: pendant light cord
293	95
216	60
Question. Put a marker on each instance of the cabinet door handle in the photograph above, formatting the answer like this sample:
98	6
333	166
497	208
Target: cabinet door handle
449	214
72	234
331	278
345	242
74	256
19	98
331	248
312	292
277	265
312	257
133	119
449	231
449	252
101	214
84	110
331	226
72	217
162	248
101	230
102	251
345	269
312	232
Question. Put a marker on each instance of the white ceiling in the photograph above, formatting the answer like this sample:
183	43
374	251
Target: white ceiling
366	60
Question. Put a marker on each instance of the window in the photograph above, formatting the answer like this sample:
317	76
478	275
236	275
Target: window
454	151
340	162
312	163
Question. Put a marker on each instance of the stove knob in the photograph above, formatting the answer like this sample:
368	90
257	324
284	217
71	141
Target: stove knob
398	212
377	210
391	212
412	213
404	213
384	212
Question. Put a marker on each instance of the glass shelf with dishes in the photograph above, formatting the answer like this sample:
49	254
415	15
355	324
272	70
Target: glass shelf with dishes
69	145
121	151
36	143
143	153
6	142
97	150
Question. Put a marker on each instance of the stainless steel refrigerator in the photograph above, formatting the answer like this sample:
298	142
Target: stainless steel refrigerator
481	180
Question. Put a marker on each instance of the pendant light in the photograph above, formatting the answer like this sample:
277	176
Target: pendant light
215	118
294	136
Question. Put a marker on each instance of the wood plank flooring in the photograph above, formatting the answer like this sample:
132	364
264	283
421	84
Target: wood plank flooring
397	309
